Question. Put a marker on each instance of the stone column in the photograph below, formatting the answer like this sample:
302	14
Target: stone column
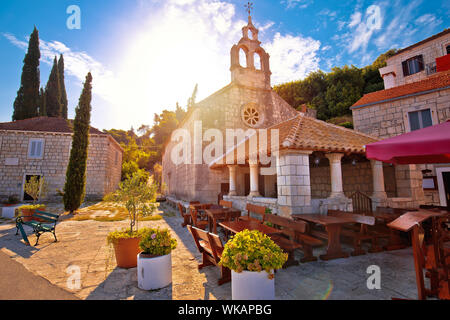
232	172
337	190
254	186
378	180
294	183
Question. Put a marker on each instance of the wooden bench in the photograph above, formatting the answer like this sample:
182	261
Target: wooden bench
40	221
358	236
293	237
211	248
252	208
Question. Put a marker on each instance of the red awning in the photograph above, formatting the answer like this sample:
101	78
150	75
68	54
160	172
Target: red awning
429	145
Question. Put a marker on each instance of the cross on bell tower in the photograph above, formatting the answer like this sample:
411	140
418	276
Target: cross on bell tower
250	75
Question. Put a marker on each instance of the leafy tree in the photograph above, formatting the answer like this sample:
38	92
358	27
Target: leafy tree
75	186
27	100
53	93
64	102
138	196
36	188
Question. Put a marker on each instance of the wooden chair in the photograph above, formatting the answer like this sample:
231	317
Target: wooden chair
197	220
211	248
226	204
252	208
186	216
293	237
362	204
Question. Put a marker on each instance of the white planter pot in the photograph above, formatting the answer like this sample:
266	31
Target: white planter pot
250	285
154	273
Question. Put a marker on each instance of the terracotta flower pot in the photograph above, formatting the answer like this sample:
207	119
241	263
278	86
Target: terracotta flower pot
126	251
26	214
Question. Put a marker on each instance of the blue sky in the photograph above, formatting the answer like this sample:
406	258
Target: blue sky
145	55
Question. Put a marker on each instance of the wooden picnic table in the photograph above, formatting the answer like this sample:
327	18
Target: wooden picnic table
333	227
240	225
216	214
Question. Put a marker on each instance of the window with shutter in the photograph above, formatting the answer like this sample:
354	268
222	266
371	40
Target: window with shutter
420	119
36	149
413	65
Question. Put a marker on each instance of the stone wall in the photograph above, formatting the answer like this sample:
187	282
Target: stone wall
354	178
103	172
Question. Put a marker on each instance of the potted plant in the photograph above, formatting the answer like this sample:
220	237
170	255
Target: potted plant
155	261
26	211
12	200
36	188
252	257
138	198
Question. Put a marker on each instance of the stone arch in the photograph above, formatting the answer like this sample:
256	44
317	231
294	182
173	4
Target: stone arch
258	60
243	57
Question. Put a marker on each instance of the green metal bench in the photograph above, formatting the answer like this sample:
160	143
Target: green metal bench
41	222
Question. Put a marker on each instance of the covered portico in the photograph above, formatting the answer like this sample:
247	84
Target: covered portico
315	168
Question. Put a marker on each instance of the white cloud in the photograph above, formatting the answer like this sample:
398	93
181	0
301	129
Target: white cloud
292	58
364	29
400	30
301	4
355	19
428	20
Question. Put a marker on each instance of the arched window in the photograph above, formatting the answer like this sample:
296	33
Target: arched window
243	58
257	61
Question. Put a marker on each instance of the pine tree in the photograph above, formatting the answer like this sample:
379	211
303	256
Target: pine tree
27	100
64	102
75	186
42	108
192	99
53	93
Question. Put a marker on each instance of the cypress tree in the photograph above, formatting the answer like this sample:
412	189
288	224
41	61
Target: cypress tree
64	102
42	108
53	93
75	186
27	100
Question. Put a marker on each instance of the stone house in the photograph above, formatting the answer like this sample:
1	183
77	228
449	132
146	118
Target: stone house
313	166
417	95
41	147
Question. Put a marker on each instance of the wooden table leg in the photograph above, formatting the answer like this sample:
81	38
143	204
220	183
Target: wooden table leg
334	250
395	241
214	221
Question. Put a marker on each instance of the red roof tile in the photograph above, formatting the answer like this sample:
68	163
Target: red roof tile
440	80
44	124
309	134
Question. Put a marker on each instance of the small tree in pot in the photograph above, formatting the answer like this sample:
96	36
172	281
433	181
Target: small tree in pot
139	198
36	188
252	256
155	260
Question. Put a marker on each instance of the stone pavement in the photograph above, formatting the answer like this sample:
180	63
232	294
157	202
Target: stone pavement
83	244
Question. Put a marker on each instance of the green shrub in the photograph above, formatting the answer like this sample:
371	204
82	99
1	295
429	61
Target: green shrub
114	236
252	251
33	207
157	242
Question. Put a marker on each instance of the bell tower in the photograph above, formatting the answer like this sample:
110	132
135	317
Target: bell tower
254	69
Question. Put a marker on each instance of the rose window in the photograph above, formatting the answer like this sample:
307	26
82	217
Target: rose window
251	115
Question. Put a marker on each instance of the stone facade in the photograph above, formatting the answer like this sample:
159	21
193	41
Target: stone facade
103	166
430	50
